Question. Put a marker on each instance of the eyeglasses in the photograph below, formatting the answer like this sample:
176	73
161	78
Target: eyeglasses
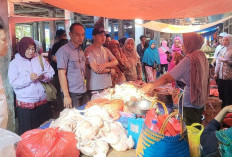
32	49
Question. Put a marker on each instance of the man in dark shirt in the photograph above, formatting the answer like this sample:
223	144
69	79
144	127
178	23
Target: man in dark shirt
142	46
61	38
141	49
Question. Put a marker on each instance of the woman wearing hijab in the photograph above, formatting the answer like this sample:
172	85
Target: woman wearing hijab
224	72
176	53
135	71
123	65
163	51
151	61
193	70
25	76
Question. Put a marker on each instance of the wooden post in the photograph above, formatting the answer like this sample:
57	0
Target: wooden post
133	35
138	30
35	31
112	29
42	34
4	64
106	24
157	37
78	19
67	23
120	29
52	28
95	19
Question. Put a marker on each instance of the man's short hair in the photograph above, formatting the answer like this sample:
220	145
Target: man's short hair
142	36
108	35
75	24
60	33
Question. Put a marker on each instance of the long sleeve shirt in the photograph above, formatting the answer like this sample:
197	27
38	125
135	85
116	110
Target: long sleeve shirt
209	140
224	70
19	73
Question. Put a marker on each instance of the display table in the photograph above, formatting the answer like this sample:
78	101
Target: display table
114	153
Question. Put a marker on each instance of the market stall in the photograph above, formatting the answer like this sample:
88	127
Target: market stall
111	124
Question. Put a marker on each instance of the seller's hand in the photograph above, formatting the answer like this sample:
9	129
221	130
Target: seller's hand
33	76
101	68
148	88
67	102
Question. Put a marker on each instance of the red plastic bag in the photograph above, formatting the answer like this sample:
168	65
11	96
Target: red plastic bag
227	122
173	127
47	143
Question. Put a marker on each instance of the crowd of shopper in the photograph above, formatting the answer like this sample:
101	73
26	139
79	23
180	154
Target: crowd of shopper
77	73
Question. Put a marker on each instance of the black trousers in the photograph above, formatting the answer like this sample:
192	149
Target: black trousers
225	92
32	118
192	115
164	66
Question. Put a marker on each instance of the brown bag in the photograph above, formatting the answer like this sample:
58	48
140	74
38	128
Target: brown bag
48	86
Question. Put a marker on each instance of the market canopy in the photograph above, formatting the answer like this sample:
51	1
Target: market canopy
168	28
145	9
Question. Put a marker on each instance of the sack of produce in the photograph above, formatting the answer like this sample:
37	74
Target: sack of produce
47	143
112	106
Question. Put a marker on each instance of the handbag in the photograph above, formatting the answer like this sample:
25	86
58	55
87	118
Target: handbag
152	143
48	86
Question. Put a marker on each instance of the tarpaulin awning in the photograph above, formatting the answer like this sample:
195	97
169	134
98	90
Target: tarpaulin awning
209	31
168	28
145	9
28	19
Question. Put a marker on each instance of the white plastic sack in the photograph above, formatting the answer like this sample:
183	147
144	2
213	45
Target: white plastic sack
7	142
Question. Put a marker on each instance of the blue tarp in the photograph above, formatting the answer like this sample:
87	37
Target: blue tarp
88	34
209	31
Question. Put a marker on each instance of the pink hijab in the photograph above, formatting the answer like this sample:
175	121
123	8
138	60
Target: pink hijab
200	74
174	48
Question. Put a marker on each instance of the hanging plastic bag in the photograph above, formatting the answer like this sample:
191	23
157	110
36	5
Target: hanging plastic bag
194	135
47	143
